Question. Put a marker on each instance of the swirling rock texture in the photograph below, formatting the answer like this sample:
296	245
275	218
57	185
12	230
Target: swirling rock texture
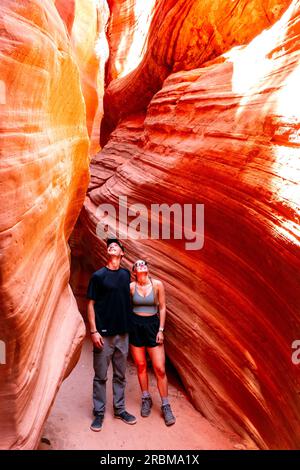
182	35
222	131
44	176
128	32
86	21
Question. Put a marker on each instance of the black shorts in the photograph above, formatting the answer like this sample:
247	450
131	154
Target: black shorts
143	330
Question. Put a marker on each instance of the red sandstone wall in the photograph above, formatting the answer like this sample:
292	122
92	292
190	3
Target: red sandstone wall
182	35
44	176
227	135
86	22
222	130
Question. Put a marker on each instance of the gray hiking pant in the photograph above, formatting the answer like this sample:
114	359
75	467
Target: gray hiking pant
115	349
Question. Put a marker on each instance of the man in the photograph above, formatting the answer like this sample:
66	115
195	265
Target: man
108	314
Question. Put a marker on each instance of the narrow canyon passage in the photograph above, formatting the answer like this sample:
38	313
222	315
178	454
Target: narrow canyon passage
131	105
67	427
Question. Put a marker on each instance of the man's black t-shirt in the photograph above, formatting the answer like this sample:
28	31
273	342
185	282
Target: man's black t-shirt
111	291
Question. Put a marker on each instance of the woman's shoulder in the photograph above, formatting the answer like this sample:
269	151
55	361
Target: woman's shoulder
157	282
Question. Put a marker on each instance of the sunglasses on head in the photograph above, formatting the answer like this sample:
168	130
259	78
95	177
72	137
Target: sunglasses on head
140	263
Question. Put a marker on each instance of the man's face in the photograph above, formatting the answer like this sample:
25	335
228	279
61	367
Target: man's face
114	249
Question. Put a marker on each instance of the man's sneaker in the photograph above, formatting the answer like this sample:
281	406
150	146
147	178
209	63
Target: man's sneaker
126	417
168	415
97	423
146	406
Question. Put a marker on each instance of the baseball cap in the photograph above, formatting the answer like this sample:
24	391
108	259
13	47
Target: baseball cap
114	240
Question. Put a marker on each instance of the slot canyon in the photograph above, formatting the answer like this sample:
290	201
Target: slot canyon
161	102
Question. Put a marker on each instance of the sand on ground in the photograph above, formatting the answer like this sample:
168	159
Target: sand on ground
68	425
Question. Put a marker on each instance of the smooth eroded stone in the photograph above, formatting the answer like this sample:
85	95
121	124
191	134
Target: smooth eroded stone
225	135
44	176
86	22
168	36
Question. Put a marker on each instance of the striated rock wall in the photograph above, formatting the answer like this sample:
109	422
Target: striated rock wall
44	176
225	135
181	35
223	130
128	34
86	22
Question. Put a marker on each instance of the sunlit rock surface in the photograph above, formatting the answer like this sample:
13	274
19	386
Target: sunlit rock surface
86	22
44	176
227	136
148	43
127	32
222	131
91	49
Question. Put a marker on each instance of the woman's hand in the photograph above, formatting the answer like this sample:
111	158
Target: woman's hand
97	340
160	337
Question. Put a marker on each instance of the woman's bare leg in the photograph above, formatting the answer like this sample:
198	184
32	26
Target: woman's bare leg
157	356
139	357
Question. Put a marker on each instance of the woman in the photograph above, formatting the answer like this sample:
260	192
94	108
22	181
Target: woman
147	336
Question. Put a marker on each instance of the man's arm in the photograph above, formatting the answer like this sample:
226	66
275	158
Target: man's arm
95	335
91	315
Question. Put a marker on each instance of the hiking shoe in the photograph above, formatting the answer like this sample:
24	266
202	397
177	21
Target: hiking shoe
126	417
97	423
168	415
146	406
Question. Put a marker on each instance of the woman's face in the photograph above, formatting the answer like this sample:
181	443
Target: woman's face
141	267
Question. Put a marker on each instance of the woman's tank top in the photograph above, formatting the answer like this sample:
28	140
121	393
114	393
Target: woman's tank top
144	304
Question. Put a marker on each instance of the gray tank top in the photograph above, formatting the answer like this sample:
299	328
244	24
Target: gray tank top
144	304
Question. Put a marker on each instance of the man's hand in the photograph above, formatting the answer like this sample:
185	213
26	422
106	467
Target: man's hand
98	341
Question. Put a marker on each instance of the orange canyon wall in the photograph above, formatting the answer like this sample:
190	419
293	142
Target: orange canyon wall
48	70
211	115
201	106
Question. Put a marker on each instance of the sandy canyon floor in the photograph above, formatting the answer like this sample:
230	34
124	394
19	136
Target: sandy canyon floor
67	427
